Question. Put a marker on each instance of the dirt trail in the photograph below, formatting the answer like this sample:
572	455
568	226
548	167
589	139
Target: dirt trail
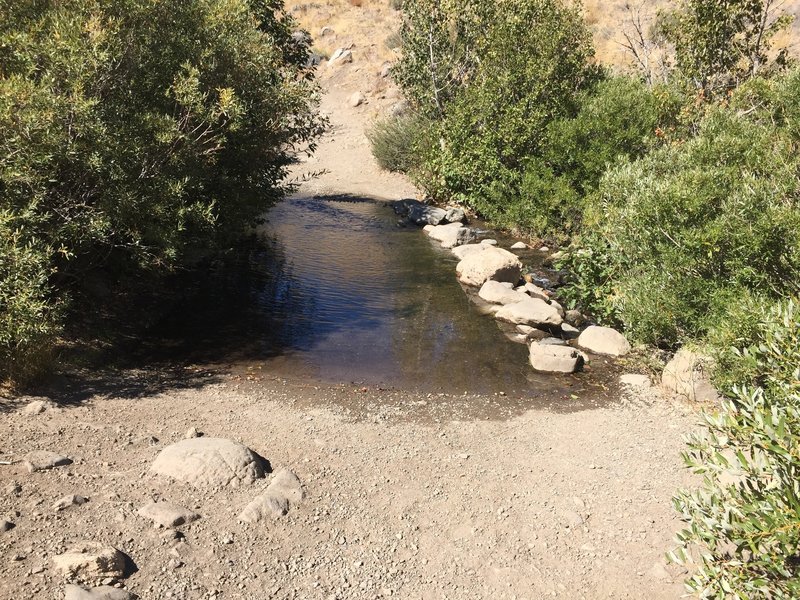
401	500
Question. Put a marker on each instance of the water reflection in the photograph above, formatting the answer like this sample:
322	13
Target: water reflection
338	292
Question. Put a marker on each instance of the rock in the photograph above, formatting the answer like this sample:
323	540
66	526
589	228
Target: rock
167	514
6	525
455	214
555	359
489	242
492	263
386	70
340	57
37	407
574	318
209	462
357	99
41	460
525	329
534	291
192	433
450	235
91	561
687	374
558	307
326	31
462	252
572	519
569	331
659	572
498	293
636	381
104	592
283	491
530	311
67	501
544	249
422	214
520	246
12	489
604	340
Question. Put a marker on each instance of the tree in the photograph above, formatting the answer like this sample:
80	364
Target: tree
721	43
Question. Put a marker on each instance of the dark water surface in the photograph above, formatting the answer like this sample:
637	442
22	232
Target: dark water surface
342	294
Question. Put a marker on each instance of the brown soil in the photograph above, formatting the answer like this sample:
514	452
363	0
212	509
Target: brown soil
406	496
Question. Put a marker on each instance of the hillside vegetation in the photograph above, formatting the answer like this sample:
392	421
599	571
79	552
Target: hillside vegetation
673	186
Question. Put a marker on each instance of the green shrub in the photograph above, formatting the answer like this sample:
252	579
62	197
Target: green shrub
396	140
691	228
742	538
137	133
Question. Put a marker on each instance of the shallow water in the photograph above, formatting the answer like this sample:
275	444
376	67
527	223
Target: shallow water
342	294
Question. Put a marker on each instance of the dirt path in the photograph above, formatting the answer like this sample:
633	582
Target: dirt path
401	500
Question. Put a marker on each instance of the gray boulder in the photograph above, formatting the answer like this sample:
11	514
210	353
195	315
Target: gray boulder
461	252
455	215
476	268
450	235
422	214
687	375
530	311
604	340
209	462
555	359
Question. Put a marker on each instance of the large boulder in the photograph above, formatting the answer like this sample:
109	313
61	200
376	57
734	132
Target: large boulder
91	561
604	340
530	311
476	268
209	462
550	358
500	293
450	235
283	491
687	374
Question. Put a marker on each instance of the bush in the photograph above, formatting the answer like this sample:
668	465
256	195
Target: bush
743	533
396	140
692	228
133	134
